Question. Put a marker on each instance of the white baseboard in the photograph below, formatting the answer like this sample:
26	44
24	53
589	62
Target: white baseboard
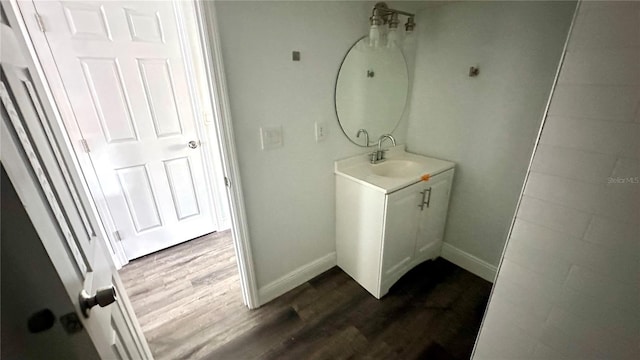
469	262
296	278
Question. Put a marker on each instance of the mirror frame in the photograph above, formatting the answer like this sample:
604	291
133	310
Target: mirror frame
335	94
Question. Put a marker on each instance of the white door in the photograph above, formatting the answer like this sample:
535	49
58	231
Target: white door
123	71
69	234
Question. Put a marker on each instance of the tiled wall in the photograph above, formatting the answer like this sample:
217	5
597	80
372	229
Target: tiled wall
568	286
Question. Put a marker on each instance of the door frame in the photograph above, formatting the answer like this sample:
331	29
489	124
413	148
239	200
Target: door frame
69	136
216	80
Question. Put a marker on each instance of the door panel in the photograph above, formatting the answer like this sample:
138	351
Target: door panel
144	26
109	99
86	21
22	114
124	76
183	190
141	202
158	87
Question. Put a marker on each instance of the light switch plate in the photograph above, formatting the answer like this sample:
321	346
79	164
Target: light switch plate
321	131
271	137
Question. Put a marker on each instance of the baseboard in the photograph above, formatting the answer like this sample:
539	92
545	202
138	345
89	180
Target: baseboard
296	278
469	262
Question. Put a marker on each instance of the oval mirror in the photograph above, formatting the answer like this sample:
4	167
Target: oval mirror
371	91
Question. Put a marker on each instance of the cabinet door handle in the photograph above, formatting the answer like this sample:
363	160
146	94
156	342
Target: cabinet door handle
424	195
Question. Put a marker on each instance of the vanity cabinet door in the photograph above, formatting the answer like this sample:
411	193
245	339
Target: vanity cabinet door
400	230
433	217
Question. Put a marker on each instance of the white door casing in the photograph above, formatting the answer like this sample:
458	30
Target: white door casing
122	68
47	186
217	90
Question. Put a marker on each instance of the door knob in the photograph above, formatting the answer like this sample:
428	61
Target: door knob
193	144
103	297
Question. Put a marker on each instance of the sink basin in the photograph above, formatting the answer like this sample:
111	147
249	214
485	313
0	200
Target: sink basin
397	168
398	171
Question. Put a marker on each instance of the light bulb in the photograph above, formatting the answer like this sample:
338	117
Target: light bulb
392	38
374	36
409	39
384	29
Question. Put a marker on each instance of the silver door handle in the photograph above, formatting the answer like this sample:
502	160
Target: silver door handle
103	297
193	144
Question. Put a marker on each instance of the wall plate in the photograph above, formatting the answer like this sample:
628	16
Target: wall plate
271	137
321	131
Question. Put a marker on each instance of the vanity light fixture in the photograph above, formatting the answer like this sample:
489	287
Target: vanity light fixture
383	30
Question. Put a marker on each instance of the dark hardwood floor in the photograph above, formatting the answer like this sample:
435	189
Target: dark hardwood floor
188	301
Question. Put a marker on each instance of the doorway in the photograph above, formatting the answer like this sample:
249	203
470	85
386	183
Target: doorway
139	101
126	74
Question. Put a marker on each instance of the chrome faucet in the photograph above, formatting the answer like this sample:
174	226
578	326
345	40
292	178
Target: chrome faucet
378	155
366	136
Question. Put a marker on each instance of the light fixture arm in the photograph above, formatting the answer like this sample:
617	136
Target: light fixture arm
384	10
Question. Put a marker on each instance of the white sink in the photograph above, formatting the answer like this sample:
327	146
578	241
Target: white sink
399	170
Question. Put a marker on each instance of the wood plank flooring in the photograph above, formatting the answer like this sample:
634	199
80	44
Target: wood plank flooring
189	304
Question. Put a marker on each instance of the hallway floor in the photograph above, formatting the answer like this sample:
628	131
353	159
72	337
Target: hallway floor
188	301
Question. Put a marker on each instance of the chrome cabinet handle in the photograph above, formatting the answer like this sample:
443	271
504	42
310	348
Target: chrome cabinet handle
193	144
424	194
103	297
428	199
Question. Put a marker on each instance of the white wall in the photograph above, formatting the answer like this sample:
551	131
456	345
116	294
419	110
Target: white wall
289	191
568	284
486	124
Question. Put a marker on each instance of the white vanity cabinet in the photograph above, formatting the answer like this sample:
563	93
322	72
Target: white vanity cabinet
381	235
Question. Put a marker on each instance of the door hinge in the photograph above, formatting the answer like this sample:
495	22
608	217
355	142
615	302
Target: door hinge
39	22
85	145
227	182
116	235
